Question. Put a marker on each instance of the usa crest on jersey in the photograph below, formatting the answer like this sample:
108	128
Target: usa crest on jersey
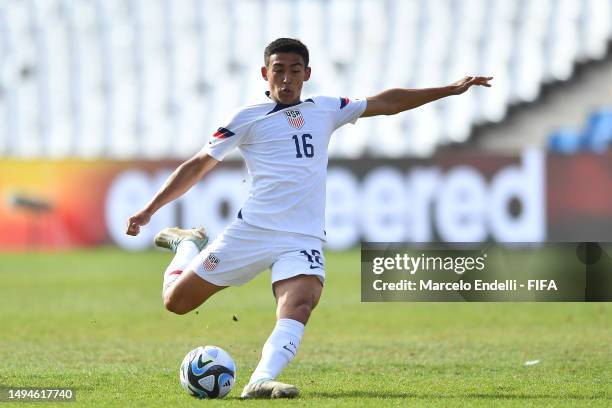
211	262
295	118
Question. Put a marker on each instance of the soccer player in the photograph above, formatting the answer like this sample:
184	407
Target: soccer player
284	143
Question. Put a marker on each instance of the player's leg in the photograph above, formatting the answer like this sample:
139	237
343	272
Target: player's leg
234	258
188	292
183	290
296	298
297	277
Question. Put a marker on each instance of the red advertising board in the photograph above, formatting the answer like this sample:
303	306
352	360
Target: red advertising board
533	197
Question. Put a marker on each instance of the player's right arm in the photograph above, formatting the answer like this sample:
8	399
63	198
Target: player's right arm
220	143
179	182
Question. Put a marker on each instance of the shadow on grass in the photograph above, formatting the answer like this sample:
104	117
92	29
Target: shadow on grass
373	394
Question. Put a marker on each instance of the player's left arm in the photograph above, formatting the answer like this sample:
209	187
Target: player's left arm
396	100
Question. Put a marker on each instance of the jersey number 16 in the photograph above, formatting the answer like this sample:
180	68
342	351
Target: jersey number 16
307	148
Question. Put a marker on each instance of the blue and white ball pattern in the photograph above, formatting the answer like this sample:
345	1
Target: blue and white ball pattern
208	372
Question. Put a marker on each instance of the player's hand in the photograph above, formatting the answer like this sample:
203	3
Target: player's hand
464	84
136	221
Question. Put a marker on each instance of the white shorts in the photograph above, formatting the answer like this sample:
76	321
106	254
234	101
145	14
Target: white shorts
242	251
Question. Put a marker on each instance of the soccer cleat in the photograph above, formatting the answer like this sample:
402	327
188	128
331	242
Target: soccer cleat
269	389
170	238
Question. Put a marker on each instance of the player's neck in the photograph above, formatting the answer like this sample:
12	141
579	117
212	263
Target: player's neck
278	101
288	104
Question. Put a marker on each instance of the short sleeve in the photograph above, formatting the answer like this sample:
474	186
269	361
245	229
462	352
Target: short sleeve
227	137
349	110
343	110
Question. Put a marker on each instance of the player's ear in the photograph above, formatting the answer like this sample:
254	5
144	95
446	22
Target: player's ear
306	73
264	73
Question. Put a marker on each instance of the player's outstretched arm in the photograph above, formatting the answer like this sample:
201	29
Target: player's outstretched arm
181	180
398	100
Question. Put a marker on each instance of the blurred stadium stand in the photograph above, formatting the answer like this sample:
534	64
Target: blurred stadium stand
152	78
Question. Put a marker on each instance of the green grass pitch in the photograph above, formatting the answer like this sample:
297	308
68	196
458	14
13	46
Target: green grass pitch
93	320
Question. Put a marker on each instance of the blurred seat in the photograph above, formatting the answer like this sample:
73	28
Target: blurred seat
596	136
403	43
565	141
598	131
562	40
528	64
595	29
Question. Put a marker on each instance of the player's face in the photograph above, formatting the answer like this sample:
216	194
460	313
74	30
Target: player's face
285	74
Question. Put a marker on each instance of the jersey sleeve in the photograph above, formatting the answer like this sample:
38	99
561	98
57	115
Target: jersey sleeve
344	110
227	137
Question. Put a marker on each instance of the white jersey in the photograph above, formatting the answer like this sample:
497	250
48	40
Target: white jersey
285	150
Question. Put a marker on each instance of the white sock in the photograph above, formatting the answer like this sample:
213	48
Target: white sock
185	253
279	349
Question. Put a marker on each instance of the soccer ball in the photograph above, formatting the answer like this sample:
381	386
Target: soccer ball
208	372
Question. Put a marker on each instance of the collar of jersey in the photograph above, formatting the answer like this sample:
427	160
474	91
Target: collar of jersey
280	106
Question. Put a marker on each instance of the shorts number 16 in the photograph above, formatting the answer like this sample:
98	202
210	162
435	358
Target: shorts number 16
313	257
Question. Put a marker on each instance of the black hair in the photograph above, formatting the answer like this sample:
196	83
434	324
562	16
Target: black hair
286	45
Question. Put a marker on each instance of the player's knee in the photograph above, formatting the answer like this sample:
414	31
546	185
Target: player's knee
173	303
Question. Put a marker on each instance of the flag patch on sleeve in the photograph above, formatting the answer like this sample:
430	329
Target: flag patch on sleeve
344	102
223	133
